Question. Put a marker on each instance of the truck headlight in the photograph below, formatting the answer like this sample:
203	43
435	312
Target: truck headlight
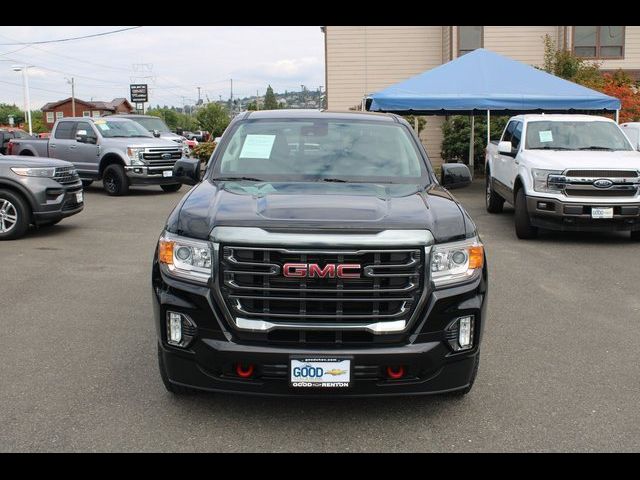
185	258
541	180
456	262
135	155
34	172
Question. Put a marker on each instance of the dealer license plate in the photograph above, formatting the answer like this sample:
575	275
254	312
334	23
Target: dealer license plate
167	173
601	212
320	372
79	197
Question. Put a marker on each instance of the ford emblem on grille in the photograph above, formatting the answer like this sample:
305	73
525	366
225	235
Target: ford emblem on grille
166	155
602	183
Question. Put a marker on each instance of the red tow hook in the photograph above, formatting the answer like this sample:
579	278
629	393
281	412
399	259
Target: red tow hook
395	372
243	372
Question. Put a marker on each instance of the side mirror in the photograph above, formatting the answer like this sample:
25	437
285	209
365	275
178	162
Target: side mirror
156	133
187	171
455	175
505	148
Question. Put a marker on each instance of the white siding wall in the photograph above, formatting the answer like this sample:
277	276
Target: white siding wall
520	43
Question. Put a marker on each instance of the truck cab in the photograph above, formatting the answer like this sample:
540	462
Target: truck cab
565	172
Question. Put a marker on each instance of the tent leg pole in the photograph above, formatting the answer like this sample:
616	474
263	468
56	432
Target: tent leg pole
488	127
471	143
617	116
415	124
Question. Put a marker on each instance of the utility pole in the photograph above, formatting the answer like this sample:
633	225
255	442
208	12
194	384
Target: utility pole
73	96
198	95
231	79
257	101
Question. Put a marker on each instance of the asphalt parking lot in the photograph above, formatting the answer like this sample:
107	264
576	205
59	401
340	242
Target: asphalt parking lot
559	370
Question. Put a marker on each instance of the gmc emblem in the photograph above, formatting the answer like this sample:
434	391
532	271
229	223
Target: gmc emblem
330	270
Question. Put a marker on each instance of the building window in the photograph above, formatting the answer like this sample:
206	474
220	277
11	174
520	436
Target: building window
95	113
469	38
59	115
50	118
598	42
86	113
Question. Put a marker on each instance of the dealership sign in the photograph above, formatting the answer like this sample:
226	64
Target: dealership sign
139	93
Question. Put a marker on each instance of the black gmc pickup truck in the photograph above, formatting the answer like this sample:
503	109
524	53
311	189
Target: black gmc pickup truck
319	255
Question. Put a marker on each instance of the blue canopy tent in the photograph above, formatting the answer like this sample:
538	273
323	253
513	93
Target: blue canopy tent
484	81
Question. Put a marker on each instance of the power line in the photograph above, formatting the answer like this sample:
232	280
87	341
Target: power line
73	38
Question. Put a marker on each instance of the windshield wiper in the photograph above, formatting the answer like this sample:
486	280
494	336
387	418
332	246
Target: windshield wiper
231	179
595	147
335	180
547	147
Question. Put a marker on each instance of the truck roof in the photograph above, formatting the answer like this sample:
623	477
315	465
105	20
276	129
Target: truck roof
561	117
313	113
93	119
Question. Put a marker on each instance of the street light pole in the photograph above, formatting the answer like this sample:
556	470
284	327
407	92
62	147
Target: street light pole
27	99
73	96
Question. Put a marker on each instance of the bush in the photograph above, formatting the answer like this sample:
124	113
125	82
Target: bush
457	130
203	151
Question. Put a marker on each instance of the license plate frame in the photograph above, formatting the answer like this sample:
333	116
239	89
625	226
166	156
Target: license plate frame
602	212
340	377
79	197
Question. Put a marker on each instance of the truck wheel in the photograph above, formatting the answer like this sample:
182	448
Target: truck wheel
171	188
115	181
86	183
494	201
171	387
524	229
15	216
467	389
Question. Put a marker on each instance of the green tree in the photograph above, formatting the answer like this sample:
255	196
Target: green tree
6	110
564	64
37	122
457	131
270	101
214	118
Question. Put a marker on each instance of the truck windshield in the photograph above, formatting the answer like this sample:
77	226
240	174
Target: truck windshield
575	135
321	150
152	124
121	128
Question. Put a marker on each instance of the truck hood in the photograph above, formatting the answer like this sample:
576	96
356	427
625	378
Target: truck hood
561	160
319	206
35	162
171	137
139	142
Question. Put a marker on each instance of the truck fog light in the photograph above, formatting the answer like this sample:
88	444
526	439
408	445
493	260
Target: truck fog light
459	333
465	331
180	329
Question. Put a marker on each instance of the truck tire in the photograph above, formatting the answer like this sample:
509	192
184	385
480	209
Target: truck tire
15	215
171	188
86	183
115	181
494	201
467	389
524	229
171	387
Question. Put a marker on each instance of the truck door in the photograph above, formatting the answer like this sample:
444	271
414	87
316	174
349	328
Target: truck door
501	162
85	154
60	145
512	165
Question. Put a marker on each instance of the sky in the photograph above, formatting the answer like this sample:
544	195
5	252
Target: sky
175	60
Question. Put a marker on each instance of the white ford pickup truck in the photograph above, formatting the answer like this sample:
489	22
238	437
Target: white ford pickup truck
565	172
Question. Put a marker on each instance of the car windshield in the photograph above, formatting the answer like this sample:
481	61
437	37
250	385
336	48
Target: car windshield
334	150
121	128
575	135
152	123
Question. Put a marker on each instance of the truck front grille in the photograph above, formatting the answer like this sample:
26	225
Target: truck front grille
583	183
66	175
602	173
388	288
162	156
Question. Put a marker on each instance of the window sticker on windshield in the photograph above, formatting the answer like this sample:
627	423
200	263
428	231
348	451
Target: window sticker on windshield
545	136
102	126
257	146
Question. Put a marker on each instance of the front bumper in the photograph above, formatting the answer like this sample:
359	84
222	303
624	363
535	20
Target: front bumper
149	175
554	214
54	201
208	363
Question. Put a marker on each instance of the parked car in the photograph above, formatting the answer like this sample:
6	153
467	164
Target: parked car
39	191
565	172
632	131
344	270
199	135
6	134
158	128
118	151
